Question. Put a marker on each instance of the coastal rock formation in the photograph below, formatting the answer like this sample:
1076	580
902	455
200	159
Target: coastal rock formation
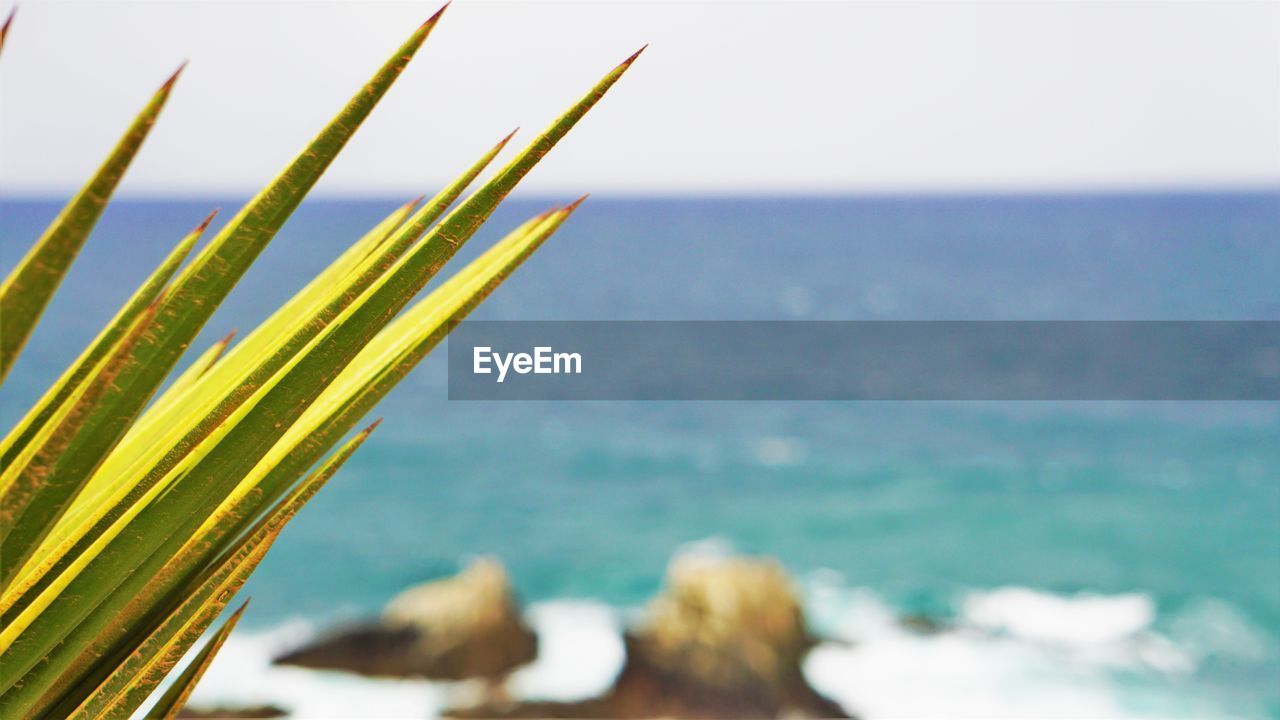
467	626
725	639
726	622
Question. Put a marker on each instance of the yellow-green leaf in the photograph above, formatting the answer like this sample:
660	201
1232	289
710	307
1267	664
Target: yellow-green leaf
33	501
251	431
35	419
194	372
131	681
106	498
28	288
383	363
167	707
161	439
42	658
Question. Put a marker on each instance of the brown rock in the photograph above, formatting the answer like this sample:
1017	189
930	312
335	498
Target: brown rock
727	623
725	639
467	626
365	649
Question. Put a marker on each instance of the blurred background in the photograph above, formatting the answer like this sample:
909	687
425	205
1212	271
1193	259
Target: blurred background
836	160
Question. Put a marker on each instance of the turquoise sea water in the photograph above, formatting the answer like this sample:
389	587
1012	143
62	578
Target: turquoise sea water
927	507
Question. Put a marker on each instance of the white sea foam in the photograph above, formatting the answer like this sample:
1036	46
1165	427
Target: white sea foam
1077	621
242	674
580	652
1012	653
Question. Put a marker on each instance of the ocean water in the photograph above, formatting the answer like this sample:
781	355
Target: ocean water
1092	559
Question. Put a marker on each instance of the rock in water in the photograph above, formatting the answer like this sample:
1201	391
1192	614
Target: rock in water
467	626
727	638
365	649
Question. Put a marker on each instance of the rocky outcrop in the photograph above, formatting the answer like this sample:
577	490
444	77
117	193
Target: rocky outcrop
467	626
726	638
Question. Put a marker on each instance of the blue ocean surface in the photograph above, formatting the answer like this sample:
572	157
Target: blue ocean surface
1121	555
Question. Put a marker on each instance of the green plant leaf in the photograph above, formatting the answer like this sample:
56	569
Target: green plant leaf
28	288
468	288
105	498
201	287
158	532
133	679
85	518
32	502
162	512
143	448
55	398
167	707
379	366
194	372
28	504
197	293
162	439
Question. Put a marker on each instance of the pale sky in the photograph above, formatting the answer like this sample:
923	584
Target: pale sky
756	97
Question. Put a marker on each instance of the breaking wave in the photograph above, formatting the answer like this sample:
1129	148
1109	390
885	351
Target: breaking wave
1008	652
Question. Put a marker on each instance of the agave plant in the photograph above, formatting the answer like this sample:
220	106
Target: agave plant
129	520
